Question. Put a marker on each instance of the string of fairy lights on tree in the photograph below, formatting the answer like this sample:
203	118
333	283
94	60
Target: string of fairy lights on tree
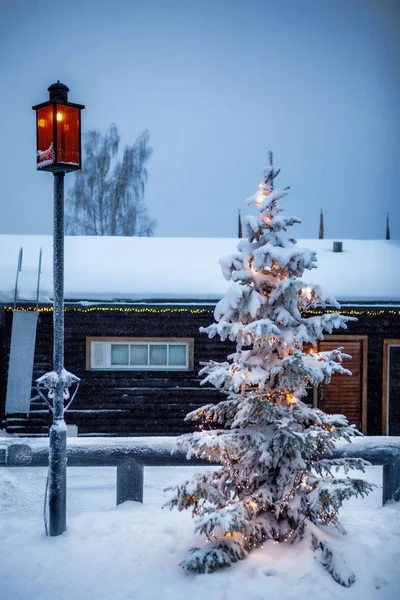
301	480
275	475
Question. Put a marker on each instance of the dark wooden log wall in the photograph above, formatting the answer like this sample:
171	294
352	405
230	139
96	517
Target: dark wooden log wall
123	402
394	391
384	325
155	402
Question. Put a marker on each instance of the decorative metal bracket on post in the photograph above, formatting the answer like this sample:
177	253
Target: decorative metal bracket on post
57	386
49	381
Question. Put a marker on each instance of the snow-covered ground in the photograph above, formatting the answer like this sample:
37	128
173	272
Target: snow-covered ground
132	552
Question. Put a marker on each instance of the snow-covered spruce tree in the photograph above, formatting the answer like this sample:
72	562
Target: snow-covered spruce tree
275	481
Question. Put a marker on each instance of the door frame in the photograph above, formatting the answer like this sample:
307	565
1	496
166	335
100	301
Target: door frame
364	376
387	342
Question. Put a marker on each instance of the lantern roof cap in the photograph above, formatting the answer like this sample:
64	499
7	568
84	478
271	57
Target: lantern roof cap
58	91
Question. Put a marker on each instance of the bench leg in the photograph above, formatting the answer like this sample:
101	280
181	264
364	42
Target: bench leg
129	481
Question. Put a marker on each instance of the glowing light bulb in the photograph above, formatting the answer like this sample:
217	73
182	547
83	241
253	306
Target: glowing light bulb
59	116
307	291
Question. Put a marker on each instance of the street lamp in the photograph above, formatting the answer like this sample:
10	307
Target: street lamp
58	134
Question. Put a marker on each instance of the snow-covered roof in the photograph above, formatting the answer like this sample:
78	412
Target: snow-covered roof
108	269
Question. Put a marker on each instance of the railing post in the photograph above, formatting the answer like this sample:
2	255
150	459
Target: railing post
129	481
391	481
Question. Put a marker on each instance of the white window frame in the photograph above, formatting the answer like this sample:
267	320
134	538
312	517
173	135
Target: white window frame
107	342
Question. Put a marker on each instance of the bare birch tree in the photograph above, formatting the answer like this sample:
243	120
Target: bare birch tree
107	197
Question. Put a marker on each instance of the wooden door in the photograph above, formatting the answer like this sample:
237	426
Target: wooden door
344	394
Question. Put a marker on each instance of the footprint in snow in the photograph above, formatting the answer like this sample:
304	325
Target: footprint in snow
270	572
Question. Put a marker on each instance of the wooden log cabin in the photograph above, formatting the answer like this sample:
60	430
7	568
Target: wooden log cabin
133	308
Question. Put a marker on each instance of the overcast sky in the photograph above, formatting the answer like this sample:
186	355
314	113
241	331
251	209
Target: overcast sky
217	83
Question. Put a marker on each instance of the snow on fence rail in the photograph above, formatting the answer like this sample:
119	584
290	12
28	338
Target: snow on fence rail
131	455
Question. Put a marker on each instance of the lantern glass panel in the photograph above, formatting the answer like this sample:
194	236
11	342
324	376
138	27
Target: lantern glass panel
68	134
45	148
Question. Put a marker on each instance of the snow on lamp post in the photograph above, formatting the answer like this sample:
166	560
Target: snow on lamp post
58	133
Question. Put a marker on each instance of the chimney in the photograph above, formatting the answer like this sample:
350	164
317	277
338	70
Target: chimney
338	246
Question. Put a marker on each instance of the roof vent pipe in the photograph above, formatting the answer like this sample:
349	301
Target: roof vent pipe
338	246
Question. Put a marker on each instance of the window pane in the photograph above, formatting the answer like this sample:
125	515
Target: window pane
45	152
139	354
119	354
158	354
98	354
177	354
310	396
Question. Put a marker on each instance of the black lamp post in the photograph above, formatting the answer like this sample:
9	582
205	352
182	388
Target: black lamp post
58	129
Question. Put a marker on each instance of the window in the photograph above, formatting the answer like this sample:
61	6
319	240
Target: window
141	354
309	399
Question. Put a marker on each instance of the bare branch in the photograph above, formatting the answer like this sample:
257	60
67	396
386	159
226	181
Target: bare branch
107	197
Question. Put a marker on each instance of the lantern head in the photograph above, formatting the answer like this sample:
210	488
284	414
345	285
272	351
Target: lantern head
58	132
